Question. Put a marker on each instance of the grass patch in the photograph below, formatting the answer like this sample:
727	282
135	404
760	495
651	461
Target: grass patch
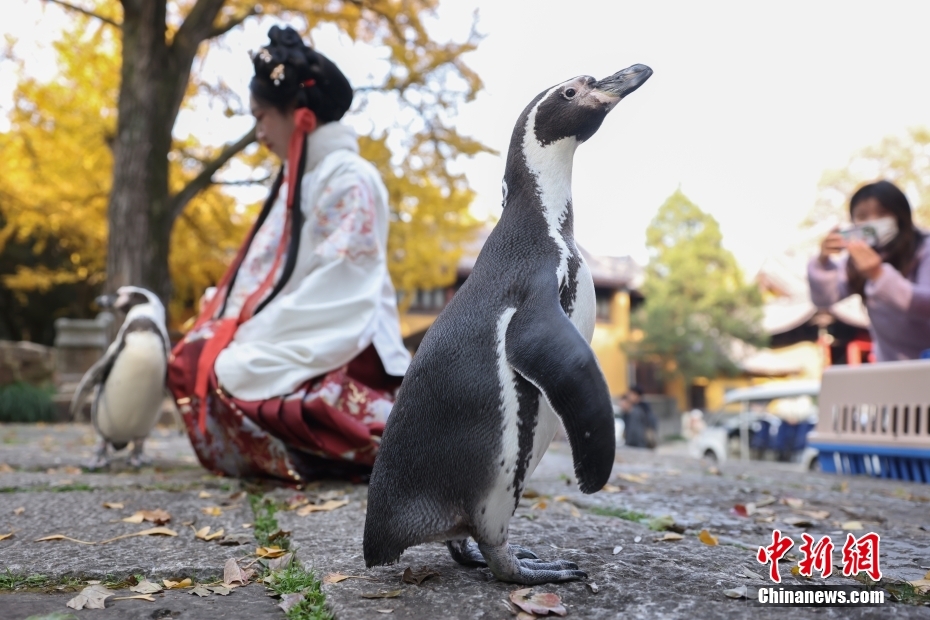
620	513
13	582
899	591
22	402
293	579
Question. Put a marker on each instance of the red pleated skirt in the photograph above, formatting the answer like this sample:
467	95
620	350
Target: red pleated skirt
329	427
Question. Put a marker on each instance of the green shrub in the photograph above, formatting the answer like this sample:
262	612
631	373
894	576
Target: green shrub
21	402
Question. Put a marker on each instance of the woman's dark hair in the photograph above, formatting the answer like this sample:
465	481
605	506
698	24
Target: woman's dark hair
900	252
290	74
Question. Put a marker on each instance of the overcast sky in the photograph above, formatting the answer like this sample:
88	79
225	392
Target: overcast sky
749	103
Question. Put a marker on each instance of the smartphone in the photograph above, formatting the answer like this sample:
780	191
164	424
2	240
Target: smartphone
863	232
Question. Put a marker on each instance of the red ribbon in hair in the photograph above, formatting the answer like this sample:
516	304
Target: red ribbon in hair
224	330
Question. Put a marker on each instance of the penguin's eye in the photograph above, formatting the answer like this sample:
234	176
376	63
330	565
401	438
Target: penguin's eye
569	93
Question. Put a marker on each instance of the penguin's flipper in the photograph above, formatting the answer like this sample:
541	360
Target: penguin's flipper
547	350
94	376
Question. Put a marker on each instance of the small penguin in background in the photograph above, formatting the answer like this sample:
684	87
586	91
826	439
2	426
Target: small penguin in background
505	361
128	382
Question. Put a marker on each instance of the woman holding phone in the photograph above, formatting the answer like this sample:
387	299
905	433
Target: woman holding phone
887	263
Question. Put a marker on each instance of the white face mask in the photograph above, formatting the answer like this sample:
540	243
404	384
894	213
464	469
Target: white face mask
886	229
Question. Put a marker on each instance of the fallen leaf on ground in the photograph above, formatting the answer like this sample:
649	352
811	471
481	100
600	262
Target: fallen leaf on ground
660	524
91	597
212	511
19	511
200	591
767	519
670	536
328	495
815	514
713	471
288	601
530	494
707	538
233	574
63	537
593	587
5	536
279	534
113	505
745	510
852	525
610	488
5	469
573	510
297	501
221	590
270	552
796	571
204	495
637	478
541	603
922	585
246	526
385	611
337	577
280	563
617	549
141	597
798	521
525	616
418	577
152	531
792	502
158	517
539	504
204	533
382	594
236	539
146	587
325	507
748	573
739	592
177	585
234	497
765	501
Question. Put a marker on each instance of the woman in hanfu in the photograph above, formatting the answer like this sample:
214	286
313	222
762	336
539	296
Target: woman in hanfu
291	368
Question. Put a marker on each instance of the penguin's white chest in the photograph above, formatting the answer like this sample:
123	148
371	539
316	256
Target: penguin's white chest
132	395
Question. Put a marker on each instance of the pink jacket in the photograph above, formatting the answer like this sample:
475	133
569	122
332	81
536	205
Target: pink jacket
899	307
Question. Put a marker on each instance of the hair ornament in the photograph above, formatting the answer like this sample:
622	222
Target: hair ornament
277	74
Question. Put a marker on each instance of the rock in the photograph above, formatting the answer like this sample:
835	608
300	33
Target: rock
26	362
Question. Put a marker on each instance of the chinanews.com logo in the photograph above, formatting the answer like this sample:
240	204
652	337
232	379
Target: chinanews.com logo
859	555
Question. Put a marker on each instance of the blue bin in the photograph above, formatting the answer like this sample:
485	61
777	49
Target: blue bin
912	465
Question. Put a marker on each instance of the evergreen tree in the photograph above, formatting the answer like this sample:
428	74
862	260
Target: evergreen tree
697	304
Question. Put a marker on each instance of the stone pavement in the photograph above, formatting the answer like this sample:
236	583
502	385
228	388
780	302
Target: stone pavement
645	578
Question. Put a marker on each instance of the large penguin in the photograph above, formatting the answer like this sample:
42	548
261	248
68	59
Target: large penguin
504	362
129	380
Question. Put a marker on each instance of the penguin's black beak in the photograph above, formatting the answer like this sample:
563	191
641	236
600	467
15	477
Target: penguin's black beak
105	301
624	82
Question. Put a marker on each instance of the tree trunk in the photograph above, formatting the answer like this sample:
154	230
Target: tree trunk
136	251
141	213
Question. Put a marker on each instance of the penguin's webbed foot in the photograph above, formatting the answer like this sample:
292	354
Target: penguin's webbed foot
137	458
100	460
467	553
508	566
